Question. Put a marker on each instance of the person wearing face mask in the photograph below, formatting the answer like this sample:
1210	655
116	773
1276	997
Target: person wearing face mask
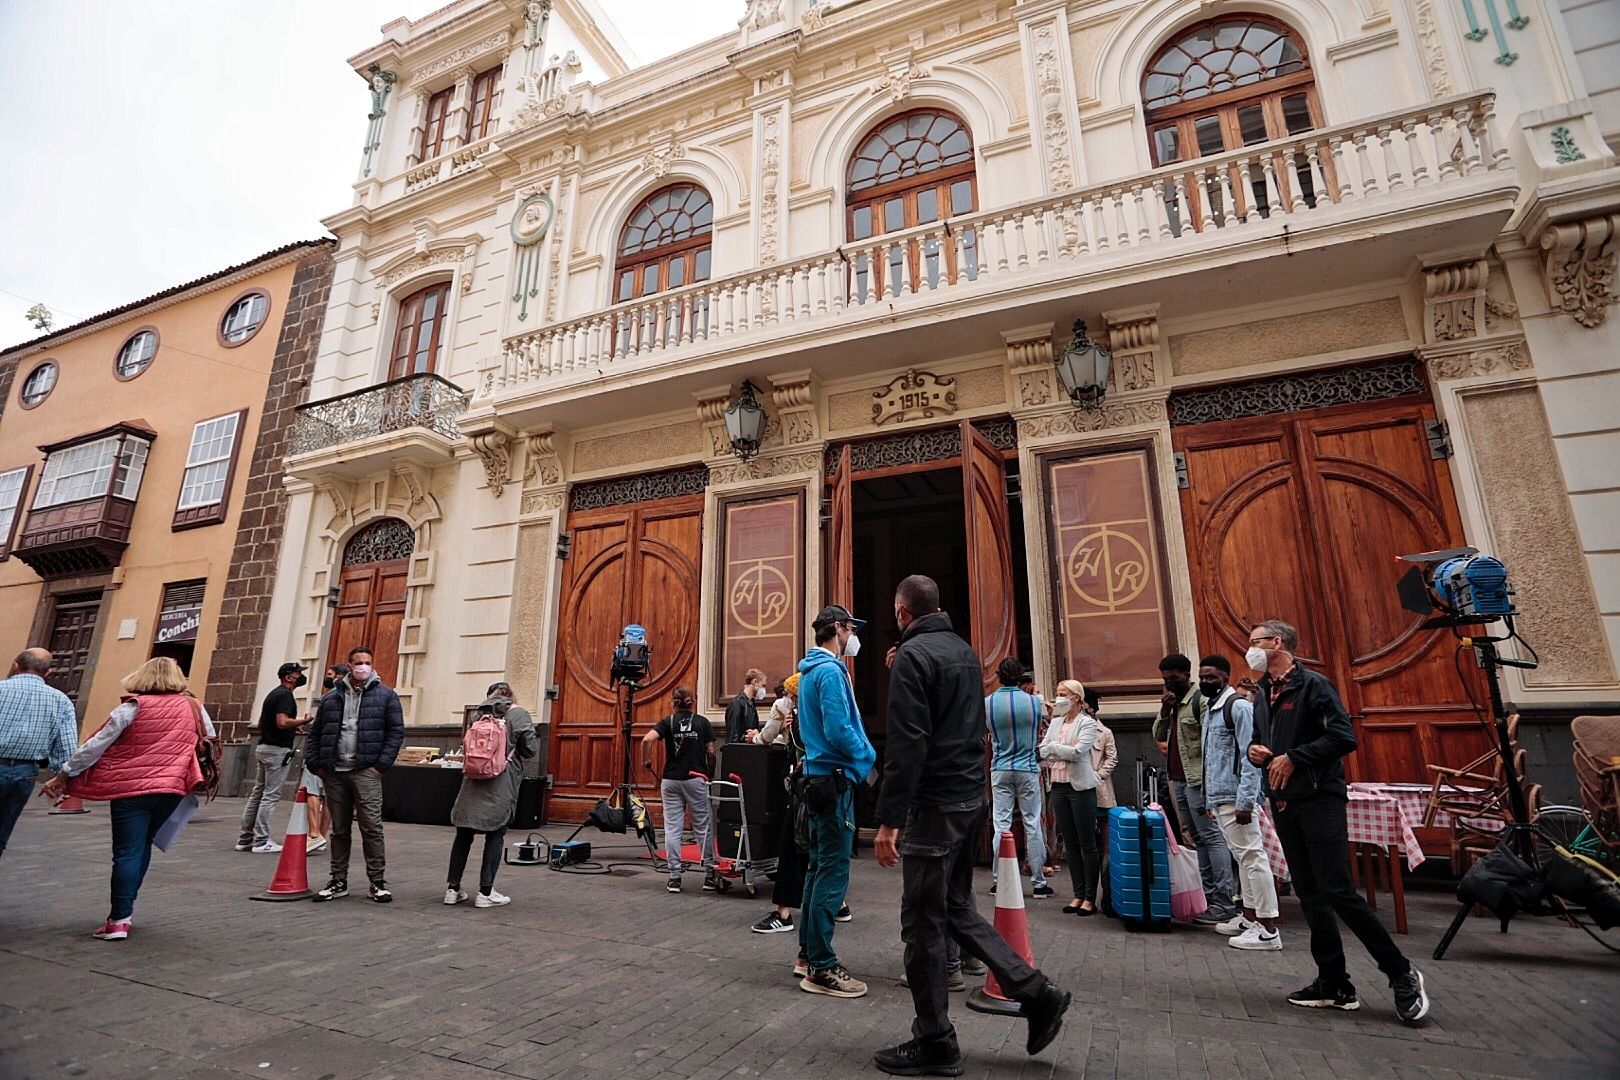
1301	736
932	813
1179	731
278	720
837	756
356	734
1073	778
742	715
314	788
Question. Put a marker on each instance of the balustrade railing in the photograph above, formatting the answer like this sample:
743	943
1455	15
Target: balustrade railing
1166	210
416	401
452	163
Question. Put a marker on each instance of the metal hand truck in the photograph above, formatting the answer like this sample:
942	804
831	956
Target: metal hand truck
740	863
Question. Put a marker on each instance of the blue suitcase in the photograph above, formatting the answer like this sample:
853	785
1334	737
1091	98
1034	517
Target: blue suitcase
1139	859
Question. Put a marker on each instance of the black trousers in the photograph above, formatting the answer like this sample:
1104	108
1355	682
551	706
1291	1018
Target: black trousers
937	850
1316	842
788	888
459	850
1076	814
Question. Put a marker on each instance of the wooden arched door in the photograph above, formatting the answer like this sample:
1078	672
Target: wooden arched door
1301	516
627	564
371	595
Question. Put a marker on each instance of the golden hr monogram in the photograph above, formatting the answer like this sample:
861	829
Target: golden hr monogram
759	598
1115	559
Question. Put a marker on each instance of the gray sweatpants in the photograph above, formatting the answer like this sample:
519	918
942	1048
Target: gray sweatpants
679	797
271	764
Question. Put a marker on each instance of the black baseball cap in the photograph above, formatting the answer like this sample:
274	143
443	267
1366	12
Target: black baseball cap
837	613
288	668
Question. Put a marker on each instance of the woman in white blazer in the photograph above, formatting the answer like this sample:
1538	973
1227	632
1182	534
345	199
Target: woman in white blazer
1073	792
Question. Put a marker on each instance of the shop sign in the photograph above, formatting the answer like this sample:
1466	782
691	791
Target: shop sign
179	624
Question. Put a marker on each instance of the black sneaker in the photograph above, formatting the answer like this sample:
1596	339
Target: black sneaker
1042	890
381	895
844	915
773	924
711	883
916	1058
1045	1015
1319	995
1411	1003
336	889
674	885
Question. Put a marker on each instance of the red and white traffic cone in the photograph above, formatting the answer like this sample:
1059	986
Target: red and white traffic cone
70	804
1012	924
292	871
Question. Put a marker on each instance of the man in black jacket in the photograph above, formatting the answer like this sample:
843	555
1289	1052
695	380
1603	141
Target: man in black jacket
932	811
1301	735
356	734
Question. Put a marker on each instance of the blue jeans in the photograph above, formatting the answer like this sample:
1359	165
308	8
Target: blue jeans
1214	857
135	822
831	833
16	784
1009	790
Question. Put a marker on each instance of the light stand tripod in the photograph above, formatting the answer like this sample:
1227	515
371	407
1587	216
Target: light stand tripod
625	792
1521	833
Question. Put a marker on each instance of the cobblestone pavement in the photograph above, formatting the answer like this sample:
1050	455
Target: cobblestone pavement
596	977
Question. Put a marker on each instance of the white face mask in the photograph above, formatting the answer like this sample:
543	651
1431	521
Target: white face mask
1255	658
1061	706
759	693
362	673
852	647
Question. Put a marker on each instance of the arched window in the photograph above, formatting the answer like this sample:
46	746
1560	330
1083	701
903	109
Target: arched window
420	332
1225	84
381	541
665	243
913	169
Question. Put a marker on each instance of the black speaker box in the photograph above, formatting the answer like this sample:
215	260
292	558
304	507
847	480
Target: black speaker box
762	840
762	770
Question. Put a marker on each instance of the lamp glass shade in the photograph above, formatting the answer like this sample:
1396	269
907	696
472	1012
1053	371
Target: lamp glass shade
745	422
1083	369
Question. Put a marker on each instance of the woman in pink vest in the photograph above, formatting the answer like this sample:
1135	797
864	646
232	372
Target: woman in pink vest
143	761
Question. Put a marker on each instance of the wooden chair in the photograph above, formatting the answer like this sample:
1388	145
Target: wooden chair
1471	838
1468	786
1597	768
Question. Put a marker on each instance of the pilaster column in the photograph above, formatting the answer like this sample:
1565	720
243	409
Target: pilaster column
413	153
1043	30
1033	378
455	122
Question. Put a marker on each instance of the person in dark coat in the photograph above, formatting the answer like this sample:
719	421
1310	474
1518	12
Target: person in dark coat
485	807
932	811
1301	736
356	734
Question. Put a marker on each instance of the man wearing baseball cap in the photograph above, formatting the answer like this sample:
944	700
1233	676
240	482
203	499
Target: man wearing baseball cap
278	716
837	756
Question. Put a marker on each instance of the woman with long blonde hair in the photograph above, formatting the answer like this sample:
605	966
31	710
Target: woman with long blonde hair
142	762
1073	793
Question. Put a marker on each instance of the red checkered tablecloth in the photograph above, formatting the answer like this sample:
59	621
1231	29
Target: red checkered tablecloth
1372	819
1414	800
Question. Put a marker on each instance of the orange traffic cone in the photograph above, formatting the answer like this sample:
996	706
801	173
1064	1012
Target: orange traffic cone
292	873
70	804
1012	924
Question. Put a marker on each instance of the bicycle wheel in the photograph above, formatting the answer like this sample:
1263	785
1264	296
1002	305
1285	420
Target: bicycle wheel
1568	826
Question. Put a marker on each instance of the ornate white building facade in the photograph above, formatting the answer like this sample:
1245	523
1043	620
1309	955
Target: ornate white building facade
1355	263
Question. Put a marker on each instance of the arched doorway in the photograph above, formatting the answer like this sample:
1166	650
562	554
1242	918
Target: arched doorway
371	595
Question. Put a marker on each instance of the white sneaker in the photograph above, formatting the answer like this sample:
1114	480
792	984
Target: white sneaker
454	896
269	847
1257	938
317	844
494	899
1234	926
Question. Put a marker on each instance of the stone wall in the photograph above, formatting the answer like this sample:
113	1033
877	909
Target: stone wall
233	695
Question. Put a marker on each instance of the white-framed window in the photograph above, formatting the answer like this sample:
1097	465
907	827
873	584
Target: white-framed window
86	471
208	463
11	489
243	318
136	355
38	385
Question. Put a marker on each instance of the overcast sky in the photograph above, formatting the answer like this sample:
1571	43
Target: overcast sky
148	142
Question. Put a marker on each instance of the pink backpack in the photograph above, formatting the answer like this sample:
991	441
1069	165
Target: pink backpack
483	748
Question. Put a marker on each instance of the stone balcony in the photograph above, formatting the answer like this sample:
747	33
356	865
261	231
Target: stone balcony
411	419
1327	209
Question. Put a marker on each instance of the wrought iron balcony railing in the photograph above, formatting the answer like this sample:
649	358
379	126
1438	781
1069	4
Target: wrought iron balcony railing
1347	172
416	401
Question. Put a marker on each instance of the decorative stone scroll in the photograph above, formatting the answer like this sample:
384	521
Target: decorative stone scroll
1454	301
1134	338
534	217
916	395
495	448
542	465
1113	414
897	83
665	152
1500	358
794	395
1579	267
382	82
452	60
1029	361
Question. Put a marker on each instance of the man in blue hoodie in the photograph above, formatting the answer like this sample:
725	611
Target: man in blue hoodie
837	756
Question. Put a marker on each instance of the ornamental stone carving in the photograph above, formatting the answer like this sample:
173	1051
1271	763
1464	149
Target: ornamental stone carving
794	395
1113	414
453	60
1500	359
1579	267
1054	116
1435	68
897	83
542	464
770	171
1134	338
761	13
765	468
1454	301
444	256
1029	362
495	448
662	157
543	502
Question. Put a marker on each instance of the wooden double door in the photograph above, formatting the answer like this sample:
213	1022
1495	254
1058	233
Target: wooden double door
627	564
370	613
1302	517
73	628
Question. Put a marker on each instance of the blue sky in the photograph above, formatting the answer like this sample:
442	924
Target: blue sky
147	143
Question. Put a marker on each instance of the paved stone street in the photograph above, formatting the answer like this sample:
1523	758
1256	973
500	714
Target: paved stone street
609	976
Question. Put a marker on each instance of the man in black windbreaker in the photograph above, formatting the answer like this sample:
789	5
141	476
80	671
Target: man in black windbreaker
932	811
1301	735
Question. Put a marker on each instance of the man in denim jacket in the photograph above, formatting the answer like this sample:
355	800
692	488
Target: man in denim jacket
1231	792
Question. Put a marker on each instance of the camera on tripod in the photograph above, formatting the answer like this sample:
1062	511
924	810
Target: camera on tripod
632	656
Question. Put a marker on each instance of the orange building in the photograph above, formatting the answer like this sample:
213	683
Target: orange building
140	502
